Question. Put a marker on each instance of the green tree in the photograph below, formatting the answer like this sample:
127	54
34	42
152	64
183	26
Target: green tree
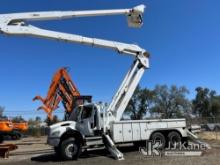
18	119
215	106
2	109
171	102
206	103
38	119
53	121
140	103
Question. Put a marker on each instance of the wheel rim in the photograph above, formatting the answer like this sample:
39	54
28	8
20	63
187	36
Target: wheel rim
159	139
71	150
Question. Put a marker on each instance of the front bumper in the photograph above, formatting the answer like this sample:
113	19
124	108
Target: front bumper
53	141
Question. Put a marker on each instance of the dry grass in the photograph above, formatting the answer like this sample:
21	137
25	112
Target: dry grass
208	135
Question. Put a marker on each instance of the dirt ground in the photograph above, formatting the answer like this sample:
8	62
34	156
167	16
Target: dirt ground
35	151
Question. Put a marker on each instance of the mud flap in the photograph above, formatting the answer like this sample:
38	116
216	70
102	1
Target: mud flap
110	146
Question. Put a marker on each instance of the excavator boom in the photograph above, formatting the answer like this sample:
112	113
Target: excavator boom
62	89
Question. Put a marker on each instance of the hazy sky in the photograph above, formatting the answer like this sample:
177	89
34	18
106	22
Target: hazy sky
182	36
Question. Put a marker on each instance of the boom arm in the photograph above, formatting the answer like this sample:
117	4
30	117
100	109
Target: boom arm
16	24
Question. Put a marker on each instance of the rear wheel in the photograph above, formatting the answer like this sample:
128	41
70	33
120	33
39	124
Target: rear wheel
174	138
159	137
70	149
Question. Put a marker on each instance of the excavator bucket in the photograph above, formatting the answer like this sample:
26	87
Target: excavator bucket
47	110
39	98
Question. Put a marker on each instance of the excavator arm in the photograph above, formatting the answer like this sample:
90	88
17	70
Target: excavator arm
62	89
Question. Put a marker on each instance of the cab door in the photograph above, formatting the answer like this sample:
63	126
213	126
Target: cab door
86	122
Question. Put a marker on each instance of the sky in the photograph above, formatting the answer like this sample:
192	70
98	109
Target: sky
182	37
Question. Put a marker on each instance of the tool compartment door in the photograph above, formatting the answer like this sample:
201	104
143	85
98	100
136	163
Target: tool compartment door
117	133
136	131
127	132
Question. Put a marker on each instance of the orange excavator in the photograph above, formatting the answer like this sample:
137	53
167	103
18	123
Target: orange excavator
62	89
6	127
14	130
21	126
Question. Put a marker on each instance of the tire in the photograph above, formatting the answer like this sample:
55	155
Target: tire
1	139
157	136
17	136
70	149
174	138
57	151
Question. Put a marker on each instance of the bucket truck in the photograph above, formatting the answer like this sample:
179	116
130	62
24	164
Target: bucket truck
90	124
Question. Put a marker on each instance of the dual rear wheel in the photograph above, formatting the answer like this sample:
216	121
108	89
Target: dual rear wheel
173	138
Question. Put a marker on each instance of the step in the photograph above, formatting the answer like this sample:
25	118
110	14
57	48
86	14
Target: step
93	141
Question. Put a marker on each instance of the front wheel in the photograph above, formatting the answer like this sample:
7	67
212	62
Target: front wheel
57	151
70	149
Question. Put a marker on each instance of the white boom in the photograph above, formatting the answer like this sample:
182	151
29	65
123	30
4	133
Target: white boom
16	24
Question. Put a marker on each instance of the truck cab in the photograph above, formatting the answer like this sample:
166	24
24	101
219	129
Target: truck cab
84	123
88	120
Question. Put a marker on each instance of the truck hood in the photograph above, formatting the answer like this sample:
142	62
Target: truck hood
63	124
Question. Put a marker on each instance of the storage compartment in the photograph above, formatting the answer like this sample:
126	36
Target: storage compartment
127	132
143	127
117	133
136	131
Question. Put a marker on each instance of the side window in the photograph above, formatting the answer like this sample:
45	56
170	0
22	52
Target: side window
87	112
76	114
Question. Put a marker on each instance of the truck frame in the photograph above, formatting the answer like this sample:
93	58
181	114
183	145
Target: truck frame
93	124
